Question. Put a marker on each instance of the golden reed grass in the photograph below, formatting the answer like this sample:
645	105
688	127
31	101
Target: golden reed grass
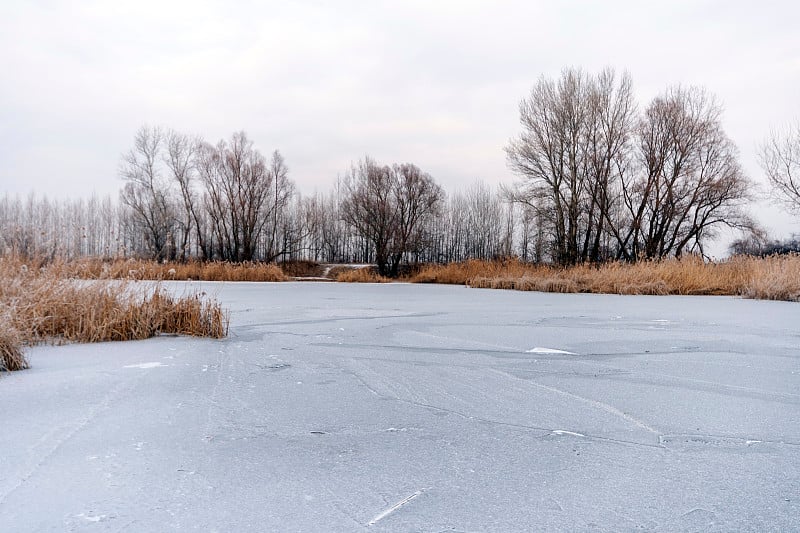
359	275
192	270
41	303
11	356
776	278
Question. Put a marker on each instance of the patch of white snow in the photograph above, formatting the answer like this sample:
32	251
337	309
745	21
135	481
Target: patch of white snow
145	365
565	432
88	518
539	349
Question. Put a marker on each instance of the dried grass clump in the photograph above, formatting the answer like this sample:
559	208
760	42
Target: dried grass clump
192	270
42	304
11	356
775	278
361	275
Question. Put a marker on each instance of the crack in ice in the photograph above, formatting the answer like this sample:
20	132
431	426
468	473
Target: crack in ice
395	507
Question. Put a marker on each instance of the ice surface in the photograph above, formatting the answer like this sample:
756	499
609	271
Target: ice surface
401	407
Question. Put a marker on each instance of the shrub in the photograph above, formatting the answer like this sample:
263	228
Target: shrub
302	269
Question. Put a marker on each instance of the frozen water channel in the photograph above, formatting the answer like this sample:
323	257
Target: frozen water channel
399	407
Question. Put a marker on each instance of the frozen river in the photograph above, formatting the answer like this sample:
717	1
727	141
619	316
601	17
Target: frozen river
399	407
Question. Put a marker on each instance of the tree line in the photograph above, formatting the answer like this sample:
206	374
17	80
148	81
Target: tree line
410	224
599	179
612	182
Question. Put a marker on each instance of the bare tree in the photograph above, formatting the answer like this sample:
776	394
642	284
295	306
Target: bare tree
277	212
328	231
418	200
250	203
180	161
215	200
689	181
369	209
547	155
387	207
612	115
43	228
605	184
146	193
238	188
779	157
478	223
575	137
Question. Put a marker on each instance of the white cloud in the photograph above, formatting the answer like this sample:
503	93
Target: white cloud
436	83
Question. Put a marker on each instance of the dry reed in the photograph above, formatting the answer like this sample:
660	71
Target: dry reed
360	275
40	303
188	271
463	273
11	356
777	278
770	278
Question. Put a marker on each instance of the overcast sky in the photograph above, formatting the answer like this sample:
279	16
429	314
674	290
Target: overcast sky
436	83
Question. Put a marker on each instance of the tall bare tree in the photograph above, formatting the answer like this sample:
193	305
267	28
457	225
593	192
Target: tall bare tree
238	186
369	208
607	184
147	193
387	207
576	134
689	182
612	115
547	155
418	199
180	158
282	191
780	159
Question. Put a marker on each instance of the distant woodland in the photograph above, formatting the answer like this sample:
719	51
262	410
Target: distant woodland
600	178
